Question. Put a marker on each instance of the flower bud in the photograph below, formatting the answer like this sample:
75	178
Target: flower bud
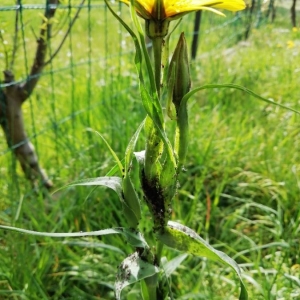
179	68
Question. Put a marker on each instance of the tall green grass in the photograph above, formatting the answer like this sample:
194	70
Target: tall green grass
240	190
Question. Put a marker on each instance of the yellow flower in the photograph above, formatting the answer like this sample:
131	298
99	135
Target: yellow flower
290	44
173	9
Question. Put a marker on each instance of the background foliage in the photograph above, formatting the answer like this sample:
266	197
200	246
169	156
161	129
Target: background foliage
241	187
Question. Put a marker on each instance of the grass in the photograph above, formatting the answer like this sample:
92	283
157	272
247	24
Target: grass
240	190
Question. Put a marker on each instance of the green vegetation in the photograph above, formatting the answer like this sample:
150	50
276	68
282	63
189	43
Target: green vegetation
240	190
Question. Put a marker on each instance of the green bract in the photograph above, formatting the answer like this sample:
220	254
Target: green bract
180	69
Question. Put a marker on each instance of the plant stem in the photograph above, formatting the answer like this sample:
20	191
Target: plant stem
159	248
154	143
157	49
182	136
151	283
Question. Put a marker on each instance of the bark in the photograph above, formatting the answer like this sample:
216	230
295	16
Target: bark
293	13
13	96
12	123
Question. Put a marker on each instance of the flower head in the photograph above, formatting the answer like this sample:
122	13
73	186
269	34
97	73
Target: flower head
174	9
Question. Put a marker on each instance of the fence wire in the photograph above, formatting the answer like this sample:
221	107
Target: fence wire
90	84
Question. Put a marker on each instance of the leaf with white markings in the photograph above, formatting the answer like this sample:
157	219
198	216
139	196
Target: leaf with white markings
133	237
132	270
182	238
112	182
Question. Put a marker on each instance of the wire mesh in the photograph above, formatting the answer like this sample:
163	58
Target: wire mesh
88	85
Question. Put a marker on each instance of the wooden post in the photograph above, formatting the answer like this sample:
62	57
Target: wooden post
196	33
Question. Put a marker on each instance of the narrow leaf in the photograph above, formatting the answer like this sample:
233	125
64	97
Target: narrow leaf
133	237
131	146
170	266
112	182
143	46
138	52
131	209
112	152
113	170
185	239
144	290
92	244
131	270
237	87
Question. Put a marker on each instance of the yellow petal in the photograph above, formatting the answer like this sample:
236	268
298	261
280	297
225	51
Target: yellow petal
174	9
233	5
143	8
177	13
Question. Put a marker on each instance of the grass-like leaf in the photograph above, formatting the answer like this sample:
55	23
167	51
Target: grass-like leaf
170	266
237	87
131	270
182	238
113	153
112	182
143	48
131	146
133	237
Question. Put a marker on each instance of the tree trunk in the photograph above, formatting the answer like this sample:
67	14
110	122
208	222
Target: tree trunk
12	123
293	13
13	96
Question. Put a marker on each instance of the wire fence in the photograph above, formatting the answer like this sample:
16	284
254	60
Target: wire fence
89	83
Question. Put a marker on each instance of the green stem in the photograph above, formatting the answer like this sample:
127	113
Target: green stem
159	248
182	136
154	148
151	283
157	49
